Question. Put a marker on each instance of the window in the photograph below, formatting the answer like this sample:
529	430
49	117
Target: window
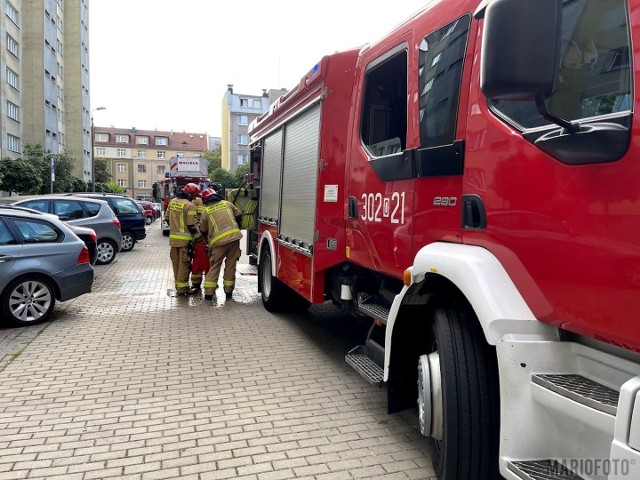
257	103
93	208
244	102
101	137
242	158
142	140
13	79
13	111
142	168
121	152
440	75
68	209
384	113
34	231
125	206
162	141
122	167
101	151
243	139
12	13
243	120
161	169
142	153
142	184
162	154
6	238
180	154
13	46
594	67
13	143
122	138
122	183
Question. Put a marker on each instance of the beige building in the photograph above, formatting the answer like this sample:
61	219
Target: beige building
139	158
46	92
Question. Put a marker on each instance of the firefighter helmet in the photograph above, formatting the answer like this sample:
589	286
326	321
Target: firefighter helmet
210	194
191	190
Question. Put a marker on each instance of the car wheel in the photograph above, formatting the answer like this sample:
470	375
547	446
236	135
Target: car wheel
128	241
106	251
148	220
458	401
28	300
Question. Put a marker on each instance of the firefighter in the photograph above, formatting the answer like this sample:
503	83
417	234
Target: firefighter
183	232
219	224
200	264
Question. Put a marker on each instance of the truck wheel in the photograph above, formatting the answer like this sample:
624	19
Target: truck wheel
458	397
272	290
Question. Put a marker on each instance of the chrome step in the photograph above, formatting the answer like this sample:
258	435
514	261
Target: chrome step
542	470
375	311
581	390
360	359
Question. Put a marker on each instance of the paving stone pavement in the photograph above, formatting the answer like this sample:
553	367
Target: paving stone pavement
129	382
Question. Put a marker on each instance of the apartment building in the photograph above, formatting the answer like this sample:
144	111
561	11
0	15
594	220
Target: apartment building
139	158
45	95
238	111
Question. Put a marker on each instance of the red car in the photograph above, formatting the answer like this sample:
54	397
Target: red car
149	212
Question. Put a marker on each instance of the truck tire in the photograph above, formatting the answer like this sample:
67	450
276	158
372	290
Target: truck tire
469	411
274	294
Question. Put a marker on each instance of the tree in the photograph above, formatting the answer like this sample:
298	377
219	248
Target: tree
19	176
220	175
214	159
101	170
63	168
112	187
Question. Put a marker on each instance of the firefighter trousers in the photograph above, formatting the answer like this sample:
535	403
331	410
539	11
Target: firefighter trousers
230	254
181	263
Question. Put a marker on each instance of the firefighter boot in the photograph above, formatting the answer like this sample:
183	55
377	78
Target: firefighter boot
208	297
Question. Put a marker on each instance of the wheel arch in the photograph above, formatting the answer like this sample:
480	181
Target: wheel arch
267	239
447	272
35	274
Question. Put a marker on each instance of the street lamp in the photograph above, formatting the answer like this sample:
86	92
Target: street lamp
93	158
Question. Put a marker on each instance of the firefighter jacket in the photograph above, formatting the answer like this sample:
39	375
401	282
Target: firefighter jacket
197	202
218	222
182	214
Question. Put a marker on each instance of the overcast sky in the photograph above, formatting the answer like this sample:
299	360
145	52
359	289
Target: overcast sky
165	64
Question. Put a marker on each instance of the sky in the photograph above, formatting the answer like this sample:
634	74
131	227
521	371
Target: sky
165	64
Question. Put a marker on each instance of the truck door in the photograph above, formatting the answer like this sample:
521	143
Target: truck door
380	174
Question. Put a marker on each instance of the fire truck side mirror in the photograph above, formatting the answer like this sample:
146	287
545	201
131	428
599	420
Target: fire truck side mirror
521	49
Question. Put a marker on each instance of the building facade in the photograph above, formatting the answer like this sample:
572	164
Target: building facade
46	96
238	111
139	158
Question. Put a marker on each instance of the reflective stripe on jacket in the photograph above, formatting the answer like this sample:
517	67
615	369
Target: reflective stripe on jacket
182	213
218	220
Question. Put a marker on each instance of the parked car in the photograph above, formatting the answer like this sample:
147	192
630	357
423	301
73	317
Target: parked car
90	239
131	218
148	211
42	261
84	212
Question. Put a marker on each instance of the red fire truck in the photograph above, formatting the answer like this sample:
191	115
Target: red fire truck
471	183
182	170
